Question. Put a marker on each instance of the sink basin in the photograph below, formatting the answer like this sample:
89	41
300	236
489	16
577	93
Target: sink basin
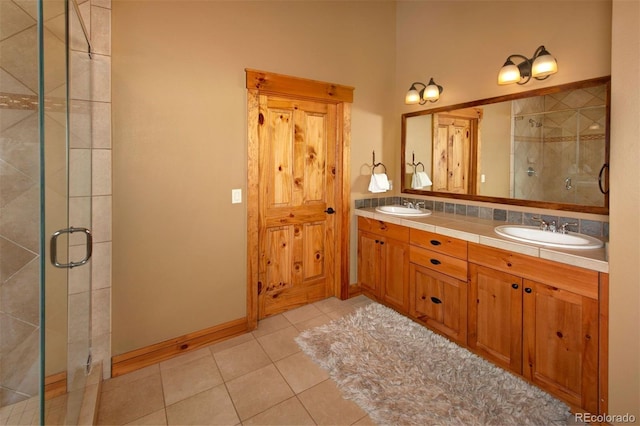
535	235
403	211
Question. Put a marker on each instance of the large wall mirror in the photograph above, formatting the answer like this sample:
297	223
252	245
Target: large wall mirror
545	148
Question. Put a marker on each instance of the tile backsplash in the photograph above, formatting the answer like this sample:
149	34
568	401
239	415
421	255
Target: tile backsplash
589	227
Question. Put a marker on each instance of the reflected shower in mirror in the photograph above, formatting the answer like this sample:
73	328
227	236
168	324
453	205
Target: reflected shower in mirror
544	148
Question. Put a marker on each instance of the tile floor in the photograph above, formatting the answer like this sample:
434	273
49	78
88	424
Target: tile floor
257	378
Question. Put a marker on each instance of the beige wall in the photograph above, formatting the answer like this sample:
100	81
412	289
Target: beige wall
179	120
624	247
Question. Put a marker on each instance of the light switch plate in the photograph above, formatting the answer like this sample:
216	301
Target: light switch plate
236	196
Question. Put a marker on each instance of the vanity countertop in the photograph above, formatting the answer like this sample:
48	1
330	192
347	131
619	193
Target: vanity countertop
481	231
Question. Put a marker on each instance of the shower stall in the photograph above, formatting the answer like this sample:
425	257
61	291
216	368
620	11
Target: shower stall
45	211
559	141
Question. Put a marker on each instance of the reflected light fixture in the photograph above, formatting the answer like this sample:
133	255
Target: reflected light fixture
429	92
540	67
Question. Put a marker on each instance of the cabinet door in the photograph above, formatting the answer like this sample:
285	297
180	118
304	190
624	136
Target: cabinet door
440	301
395	274
561	343
369	262
495	316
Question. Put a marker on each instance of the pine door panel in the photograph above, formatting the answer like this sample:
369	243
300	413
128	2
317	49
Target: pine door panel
297	179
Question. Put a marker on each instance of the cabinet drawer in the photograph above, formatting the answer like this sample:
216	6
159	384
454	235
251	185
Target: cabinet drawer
389	230
438	262
440	243
559	275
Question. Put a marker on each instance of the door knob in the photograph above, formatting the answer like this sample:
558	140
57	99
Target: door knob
330	210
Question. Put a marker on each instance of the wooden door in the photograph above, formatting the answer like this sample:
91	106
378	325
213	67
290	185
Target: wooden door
395	274
453	150
561	343
495	316
297	185
440	301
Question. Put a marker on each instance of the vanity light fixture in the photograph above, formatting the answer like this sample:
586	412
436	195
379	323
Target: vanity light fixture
429	92
540	67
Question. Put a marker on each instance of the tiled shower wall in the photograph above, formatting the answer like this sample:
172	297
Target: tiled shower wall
19	206
559	146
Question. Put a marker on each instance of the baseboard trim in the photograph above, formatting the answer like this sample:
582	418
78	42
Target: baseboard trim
55	385
149	355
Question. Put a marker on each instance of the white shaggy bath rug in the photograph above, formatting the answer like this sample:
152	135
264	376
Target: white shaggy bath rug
403	374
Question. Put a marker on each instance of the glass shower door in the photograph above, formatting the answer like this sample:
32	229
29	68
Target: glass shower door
45	311
67	212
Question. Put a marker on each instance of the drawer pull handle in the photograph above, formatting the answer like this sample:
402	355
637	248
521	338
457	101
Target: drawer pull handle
436	300
435	242
515	286
435	261
528	290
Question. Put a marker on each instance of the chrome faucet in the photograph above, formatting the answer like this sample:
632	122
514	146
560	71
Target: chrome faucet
543	224
409	204
552	226
563	227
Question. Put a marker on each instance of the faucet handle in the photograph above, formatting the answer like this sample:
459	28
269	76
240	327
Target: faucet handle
409	204
563	227
543	224
420	203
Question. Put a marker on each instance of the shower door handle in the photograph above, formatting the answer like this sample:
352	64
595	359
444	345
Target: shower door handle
601	178
54	247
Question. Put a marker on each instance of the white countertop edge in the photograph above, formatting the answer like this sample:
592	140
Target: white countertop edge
461	235
522	248
510	246
575	260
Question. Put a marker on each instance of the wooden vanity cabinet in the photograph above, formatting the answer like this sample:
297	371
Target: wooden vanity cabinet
383	262
537	318
438	283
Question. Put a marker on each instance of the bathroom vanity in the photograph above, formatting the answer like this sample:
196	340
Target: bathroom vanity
538	312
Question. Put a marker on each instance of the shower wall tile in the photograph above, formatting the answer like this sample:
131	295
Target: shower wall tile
101	125
79	316
13	184
77	38
101	266
80	124
80	69
13	19
102	3
18	293
20	57
13	259
79	278
19	364
79	172
19	219
101	30
101	350
101	218
101	181
100	318
101	75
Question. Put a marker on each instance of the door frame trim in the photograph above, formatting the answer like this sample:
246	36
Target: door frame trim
266	83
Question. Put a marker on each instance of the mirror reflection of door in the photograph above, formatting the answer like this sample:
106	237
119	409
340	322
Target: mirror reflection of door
455	142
